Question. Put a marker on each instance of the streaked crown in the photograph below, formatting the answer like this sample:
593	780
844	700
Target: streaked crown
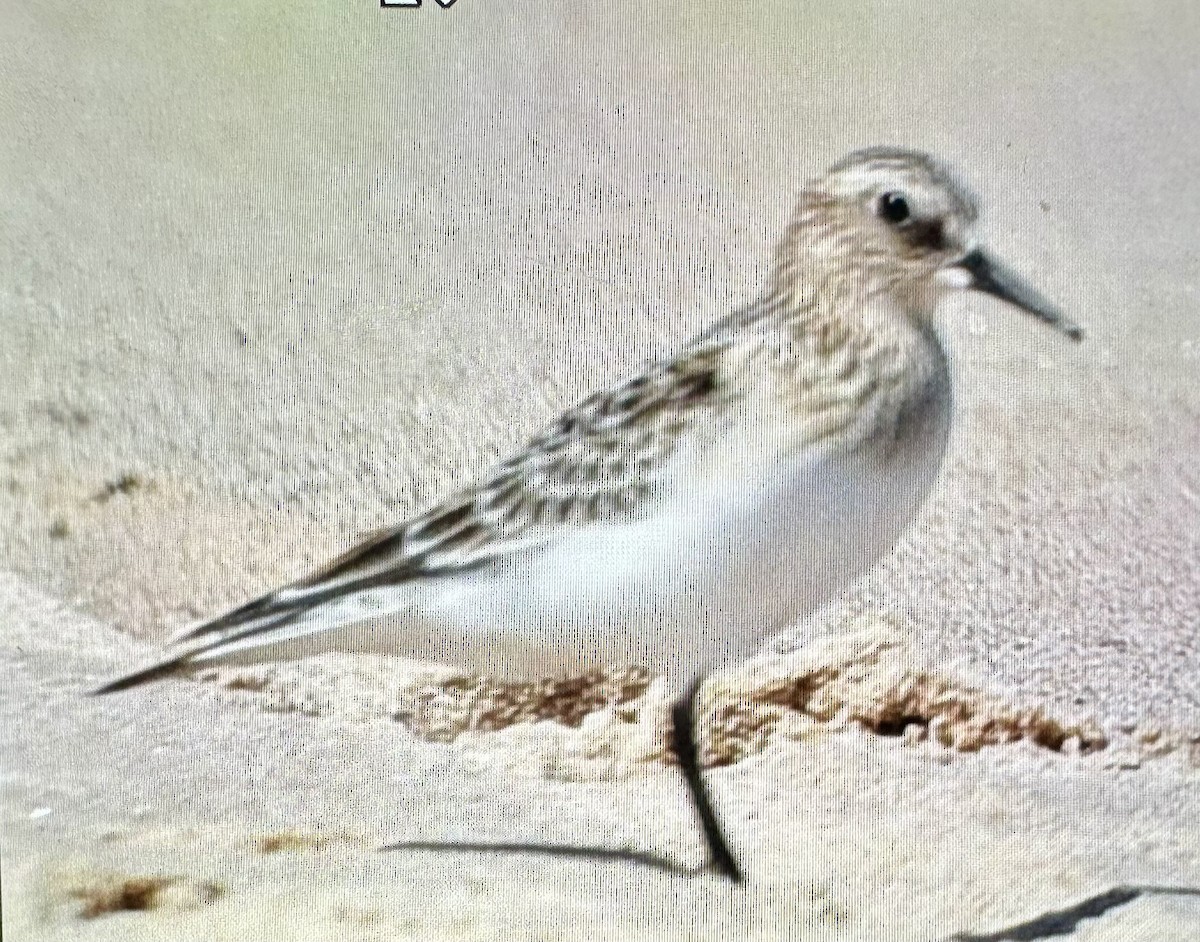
882	219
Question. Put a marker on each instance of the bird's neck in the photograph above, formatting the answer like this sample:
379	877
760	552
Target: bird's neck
866	343
820	274
853	311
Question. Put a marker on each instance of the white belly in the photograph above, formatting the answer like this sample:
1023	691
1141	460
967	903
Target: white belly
695	586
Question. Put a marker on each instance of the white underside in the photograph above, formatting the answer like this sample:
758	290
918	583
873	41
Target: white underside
734	554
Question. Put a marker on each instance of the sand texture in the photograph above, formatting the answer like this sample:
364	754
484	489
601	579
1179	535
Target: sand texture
273	275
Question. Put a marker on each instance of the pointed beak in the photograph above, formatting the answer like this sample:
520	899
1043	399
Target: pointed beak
992	277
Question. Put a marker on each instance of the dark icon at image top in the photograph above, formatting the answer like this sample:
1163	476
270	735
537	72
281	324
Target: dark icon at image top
412	4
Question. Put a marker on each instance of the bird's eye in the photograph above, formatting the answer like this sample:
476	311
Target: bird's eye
894	208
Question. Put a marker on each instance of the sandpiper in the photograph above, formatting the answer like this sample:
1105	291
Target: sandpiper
679	517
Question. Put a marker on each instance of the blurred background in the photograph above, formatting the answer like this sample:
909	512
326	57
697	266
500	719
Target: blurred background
292	270
274	274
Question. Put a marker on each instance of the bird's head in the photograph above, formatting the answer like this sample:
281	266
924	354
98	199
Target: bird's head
893	221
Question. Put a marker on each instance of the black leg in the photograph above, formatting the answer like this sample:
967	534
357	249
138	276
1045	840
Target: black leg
683	742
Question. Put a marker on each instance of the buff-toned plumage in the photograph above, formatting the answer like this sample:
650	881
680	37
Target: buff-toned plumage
679	517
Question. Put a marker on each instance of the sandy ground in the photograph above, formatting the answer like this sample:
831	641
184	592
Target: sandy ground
273	275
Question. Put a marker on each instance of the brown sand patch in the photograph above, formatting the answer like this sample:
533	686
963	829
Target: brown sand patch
101	894
296	841
865	677
869	680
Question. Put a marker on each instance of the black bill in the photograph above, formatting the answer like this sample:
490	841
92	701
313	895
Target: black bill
991	277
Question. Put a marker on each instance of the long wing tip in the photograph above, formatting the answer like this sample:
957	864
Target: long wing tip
135	679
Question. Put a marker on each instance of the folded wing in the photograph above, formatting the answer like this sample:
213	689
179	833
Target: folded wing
598	462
